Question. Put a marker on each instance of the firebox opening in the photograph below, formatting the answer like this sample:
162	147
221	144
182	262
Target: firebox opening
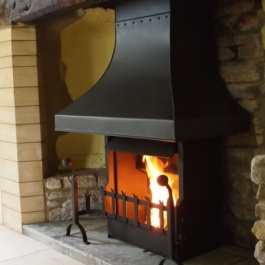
137	178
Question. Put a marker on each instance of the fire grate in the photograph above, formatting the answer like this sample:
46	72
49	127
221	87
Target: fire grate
142	231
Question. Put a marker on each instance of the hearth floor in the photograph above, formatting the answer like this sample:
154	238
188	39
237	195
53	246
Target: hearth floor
105	251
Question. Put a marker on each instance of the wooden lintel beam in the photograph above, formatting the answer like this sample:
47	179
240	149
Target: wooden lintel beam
28	11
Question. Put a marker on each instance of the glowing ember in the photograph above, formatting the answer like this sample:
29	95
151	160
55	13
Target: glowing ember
155	167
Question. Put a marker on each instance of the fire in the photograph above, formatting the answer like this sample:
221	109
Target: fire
155	167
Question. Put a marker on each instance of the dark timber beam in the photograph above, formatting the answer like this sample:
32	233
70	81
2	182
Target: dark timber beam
28	11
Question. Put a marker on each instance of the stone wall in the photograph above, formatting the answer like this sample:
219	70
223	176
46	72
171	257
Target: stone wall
58	193
241	55
258	177
242	43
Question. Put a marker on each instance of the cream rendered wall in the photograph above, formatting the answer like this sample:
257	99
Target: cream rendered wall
1	207
21	168
87	48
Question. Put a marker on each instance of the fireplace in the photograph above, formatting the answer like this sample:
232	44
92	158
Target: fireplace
178	224
161	98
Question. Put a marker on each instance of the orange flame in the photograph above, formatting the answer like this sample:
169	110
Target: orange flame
155	167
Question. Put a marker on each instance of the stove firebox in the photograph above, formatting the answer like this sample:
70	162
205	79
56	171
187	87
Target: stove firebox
186	228
161	97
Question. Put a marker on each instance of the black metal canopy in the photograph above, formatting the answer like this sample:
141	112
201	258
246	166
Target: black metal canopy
162	82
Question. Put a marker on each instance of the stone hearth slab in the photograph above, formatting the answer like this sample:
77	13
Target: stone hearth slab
106	251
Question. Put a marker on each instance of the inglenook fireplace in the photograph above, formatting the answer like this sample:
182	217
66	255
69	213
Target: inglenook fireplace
161	99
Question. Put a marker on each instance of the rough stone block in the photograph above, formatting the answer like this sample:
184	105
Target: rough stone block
258	169
250	51
258	126
58	195
242	22
261	193
250	46
225	54
102	179
87	181
62	214
240	40
66	183
260	252
259	139
238	159
260	210
251	105
97	198
242	139
241	200
259	229
240	230
259	130
263	36
52	203
53	183
236	72
228	7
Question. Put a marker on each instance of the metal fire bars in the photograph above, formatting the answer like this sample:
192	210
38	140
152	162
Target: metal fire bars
140	229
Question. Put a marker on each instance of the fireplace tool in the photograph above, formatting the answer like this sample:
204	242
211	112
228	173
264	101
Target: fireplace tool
67	163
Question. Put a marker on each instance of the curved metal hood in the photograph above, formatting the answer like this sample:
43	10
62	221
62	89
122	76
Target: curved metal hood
161	83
